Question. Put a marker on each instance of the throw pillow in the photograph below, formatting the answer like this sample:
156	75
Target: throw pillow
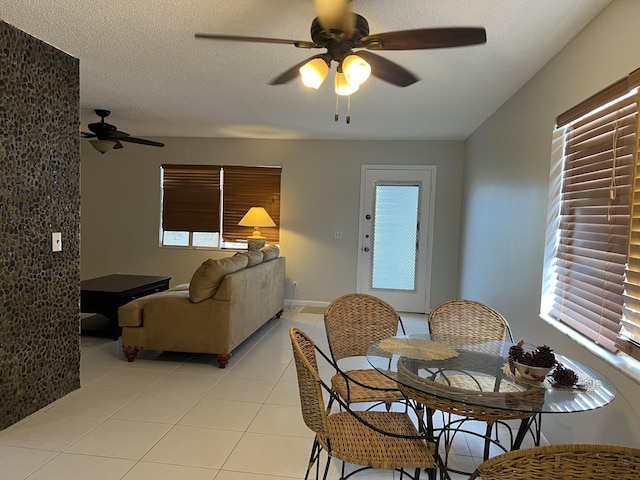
255	257
208	277
270	252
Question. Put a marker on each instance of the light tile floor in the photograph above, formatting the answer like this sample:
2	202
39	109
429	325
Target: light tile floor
170	416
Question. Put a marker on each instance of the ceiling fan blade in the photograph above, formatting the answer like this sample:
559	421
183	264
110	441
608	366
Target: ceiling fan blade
425	38
237	38
141	141
291	73
88	135
387	70
117	145
335	15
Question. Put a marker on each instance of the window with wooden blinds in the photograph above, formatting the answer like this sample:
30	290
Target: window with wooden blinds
191	198
246	187
592	239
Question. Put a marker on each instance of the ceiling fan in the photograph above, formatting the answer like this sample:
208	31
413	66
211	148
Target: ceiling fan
109	137
341	32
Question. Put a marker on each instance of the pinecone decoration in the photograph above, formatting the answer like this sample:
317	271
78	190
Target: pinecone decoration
516	352
544	357
540	357
564	377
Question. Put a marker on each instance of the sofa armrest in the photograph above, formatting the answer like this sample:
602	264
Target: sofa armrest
132	314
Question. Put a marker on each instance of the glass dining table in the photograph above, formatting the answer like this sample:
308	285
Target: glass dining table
477	373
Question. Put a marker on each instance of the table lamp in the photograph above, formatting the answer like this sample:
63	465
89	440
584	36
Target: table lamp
256	217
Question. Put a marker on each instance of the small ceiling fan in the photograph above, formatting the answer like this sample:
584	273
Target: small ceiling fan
341	32
109	137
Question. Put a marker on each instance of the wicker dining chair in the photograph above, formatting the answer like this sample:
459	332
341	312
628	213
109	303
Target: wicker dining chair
373	439
352	323
566	462
461	320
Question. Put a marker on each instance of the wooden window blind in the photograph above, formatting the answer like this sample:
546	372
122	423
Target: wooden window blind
629	340
246	187
593	235
191	198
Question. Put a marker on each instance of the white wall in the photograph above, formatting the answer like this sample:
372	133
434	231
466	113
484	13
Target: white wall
320	194
507	164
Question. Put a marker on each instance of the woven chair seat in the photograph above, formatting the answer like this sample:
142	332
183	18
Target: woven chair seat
383	389
353	442
485	384
462	401
459	407
566	462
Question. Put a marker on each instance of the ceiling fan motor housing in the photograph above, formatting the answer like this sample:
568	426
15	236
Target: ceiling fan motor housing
336	41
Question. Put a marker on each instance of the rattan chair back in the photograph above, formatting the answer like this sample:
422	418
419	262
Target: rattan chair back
311	399
566	462
467	319
356	320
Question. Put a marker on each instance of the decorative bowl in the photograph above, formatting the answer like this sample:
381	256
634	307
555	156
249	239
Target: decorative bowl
532	373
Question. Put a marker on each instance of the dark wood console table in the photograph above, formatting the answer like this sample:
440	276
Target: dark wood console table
104	295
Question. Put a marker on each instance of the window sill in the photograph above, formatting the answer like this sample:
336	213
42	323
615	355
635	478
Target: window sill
625	364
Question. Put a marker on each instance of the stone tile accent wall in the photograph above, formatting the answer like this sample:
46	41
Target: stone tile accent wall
39	194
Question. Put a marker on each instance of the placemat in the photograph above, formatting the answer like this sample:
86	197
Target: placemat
417	348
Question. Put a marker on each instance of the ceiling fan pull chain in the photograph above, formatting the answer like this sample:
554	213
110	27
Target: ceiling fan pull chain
348	109
336	115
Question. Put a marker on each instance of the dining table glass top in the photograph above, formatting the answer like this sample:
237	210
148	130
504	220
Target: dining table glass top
466	370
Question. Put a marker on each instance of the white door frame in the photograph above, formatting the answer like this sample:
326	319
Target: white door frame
427	209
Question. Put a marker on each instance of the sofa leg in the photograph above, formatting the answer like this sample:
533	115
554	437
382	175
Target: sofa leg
223	359
130	353
279	314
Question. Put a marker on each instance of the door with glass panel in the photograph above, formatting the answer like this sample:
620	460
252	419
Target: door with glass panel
396	218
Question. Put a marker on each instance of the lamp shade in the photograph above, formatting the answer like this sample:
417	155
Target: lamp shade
256	217
314	72
356	69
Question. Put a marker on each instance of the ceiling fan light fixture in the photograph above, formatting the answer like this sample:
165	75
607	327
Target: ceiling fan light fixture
344	88
314	72
356	69
103	146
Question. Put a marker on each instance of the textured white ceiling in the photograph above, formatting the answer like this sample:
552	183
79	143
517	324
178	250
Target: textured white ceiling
140	60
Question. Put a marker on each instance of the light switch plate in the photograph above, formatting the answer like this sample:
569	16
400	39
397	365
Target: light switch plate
56	241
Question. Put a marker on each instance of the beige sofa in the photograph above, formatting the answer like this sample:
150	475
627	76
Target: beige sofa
226	301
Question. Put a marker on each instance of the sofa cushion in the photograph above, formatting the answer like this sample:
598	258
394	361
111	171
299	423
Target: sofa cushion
209	275
254	257
270	252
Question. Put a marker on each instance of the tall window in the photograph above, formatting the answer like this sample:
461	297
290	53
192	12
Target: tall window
202	204
591	283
